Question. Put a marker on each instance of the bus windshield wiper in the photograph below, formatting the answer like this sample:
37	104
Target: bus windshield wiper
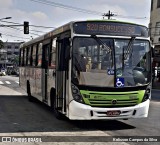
108	49
102	43
129	48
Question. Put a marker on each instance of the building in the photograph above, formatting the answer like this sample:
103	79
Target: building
155	25
9	53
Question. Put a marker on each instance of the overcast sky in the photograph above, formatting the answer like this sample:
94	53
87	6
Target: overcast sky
54	16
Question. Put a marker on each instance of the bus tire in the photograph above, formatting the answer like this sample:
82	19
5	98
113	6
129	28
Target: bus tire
57	114
30	97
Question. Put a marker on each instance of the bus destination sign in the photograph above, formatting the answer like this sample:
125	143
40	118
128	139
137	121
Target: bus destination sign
110	28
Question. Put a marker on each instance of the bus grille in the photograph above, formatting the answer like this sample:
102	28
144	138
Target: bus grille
113	100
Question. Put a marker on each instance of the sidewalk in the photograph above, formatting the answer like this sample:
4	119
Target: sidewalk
8	91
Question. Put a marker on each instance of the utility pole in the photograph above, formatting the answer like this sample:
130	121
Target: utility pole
109	15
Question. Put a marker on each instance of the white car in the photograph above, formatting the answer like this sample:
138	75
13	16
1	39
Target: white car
3	73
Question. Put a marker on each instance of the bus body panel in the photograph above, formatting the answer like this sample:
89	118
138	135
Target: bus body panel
78	111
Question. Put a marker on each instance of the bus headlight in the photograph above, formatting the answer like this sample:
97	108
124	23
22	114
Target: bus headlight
147	94
76	94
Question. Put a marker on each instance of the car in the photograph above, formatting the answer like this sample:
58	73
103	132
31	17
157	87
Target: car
2	73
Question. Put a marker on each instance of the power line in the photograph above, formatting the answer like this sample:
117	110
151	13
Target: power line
13	27
13	36
50	3
48	27
22	30
38	31
131	17
43	26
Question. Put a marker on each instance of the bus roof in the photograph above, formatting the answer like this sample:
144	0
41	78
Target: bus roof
67	26
116	21
48	34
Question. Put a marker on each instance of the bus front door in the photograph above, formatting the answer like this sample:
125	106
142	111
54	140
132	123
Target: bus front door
61	75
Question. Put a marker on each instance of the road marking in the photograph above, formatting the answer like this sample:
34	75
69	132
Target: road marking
7	82
17	82
1	83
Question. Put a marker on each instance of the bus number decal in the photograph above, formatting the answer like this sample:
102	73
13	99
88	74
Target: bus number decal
92	27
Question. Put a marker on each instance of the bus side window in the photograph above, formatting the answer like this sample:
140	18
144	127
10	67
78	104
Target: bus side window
52	60
34	55
24	57
21	58
45	54
28	57
39	55
31	57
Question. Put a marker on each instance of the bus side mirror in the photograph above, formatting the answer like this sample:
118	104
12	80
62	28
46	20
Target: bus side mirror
153	52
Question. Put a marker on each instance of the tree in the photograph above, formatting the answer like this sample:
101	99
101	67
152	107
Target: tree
1	44
15	60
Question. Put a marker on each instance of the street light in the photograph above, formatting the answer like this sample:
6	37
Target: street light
5	18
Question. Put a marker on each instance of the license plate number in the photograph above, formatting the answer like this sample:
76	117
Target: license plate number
113	113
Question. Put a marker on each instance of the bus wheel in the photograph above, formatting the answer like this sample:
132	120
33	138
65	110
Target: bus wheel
57	114
30	97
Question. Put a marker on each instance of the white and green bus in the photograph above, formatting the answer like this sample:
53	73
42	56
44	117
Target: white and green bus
87	70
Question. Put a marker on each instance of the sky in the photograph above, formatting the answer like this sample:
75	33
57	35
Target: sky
54	15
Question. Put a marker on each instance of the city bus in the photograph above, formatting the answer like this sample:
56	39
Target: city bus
90	70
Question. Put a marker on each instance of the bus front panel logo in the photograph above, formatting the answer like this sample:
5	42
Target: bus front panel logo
114	102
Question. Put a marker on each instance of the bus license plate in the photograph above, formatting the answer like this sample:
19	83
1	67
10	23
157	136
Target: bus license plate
113	113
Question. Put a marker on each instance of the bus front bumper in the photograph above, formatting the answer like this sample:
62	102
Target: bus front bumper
78	111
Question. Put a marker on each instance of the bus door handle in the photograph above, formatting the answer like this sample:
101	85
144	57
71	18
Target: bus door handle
54	73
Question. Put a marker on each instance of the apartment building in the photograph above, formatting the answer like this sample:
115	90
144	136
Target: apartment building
155	24
8	53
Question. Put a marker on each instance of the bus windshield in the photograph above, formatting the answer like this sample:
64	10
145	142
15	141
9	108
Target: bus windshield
104	62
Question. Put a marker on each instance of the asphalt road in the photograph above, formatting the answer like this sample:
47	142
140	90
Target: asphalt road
20	117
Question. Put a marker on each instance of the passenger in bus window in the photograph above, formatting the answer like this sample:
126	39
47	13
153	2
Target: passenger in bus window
80	62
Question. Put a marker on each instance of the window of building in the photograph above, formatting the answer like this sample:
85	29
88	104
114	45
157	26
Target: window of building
157	29
9	46
16	47
16	53
158	3
9	53
151	5
150	29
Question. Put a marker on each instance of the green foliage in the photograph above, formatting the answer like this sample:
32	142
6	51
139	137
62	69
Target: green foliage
15	60
1	44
